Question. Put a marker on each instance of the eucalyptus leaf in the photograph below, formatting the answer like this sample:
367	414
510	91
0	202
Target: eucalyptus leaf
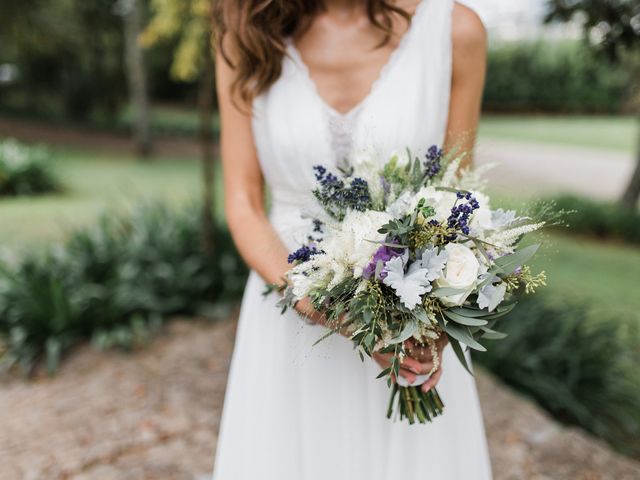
470	312
457	348
463	335
420	314
510	263
408	330
446	292
501	313
462	320
492	334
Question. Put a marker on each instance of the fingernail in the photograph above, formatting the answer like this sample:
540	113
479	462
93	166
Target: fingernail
425	388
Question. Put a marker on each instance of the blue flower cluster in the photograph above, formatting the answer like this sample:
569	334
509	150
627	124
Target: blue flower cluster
460	213
338	196
432	165
303	254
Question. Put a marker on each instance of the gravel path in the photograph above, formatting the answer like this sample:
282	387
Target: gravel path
154	415
538	168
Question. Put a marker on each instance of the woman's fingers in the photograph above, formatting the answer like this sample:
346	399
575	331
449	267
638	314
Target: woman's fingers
384	360
433	381
411	364
426	368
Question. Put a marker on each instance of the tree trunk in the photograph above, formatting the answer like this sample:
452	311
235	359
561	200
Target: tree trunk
137	77
632	193
205	110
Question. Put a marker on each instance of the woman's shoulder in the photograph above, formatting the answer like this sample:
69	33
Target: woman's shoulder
467	30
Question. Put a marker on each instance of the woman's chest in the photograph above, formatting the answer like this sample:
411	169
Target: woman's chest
344	69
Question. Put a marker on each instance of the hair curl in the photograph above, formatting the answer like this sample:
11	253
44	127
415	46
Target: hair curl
255	31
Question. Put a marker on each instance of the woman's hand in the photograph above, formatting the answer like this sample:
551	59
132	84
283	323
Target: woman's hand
305	308
422	354
409	367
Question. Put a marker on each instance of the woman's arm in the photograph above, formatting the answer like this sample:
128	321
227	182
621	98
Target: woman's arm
467	82
255	238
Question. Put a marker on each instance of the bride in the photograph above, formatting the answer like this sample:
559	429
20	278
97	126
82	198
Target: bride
306	82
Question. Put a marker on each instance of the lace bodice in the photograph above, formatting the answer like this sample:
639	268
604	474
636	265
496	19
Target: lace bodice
407	106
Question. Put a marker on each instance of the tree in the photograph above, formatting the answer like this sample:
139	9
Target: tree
131	12
187	23
612	27
69	56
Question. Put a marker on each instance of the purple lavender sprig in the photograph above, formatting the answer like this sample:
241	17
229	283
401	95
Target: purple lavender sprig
460	213
303	254
338	196
433	163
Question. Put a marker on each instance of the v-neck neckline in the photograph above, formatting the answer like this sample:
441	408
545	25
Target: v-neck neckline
294	53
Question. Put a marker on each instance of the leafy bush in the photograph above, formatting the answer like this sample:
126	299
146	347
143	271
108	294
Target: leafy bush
580	365
602	219
553	77
113	283
25	170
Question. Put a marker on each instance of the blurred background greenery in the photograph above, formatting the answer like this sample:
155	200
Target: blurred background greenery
108	124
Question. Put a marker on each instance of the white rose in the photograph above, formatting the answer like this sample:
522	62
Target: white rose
461	272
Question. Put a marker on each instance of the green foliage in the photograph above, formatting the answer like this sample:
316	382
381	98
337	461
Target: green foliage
69	57
113	283
558	77
25	170
188	24
579	364
614	22
601	219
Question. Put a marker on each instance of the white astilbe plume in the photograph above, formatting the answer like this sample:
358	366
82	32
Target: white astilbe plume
506	238
449	177
473	179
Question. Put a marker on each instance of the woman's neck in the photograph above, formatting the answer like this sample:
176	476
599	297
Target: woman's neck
344	6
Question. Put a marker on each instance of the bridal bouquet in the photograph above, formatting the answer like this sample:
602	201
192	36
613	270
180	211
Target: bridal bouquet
411	250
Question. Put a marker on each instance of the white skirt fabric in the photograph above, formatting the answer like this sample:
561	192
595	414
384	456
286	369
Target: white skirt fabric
294	411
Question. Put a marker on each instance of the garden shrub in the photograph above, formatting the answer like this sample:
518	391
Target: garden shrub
25	170
562	77
113	283
578	363
601	219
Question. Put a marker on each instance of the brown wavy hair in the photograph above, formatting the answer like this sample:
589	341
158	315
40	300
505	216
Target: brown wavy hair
253	33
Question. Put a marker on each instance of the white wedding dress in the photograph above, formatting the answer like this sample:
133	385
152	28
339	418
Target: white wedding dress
294	411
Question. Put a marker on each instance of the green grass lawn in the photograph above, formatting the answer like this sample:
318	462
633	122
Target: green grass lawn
606	132
604	274
94	182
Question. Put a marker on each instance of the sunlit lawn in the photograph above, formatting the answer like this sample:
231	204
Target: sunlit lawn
605	274
606	132
94	182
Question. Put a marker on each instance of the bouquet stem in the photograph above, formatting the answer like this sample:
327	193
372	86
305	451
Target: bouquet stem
414	404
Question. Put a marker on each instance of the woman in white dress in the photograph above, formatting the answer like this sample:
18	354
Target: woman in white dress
307	82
